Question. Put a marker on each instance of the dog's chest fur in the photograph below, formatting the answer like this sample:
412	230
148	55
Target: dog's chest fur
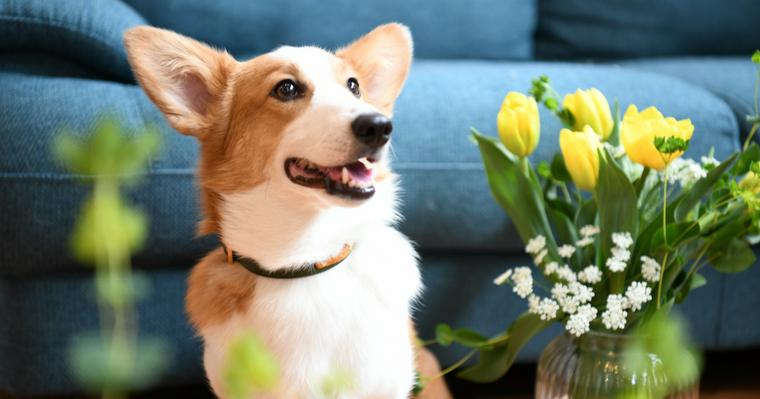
352	319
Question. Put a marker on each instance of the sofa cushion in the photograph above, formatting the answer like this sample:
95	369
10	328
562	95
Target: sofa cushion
502	29
85	32
644	28
730	78
446	201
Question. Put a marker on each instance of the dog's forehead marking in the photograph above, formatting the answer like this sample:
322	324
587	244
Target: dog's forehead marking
319	66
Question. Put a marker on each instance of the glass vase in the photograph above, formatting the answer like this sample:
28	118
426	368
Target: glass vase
592	367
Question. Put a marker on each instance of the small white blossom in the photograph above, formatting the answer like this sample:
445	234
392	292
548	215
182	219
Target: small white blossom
536	244
709	161
540	257
685	171
547	309
551	268
650	269
502	278
621	254
615	265
580	322
584	242
566	273
590	275
622	240
566	251
582	292
560	291
533	303
614	317
523	279
589	230
637	294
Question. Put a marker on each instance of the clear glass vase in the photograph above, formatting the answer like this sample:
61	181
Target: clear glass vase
592	367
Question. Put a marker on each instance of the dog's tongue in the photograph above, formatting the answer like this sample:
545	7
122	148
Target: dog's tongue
356	171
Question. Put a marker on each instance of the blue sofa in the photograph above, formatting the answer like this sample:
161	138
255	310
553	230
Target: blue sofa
62	65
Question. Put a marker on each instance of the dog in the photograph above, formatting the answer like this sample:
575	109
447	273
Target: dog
295	180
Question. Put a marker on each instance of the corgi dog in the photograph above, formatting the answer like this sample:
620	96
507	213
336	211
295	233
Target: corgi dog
295	181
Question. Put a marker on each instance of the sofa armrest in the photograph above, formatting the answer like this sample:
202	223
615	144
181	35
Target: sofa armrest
88	33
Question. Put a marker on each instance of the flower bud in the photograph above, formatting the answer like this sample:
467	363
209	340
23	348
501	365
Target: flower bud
581	153
590	108
518	124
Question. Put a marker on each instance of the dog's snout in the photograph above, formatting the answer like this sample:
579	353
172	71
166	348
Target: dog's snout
373	129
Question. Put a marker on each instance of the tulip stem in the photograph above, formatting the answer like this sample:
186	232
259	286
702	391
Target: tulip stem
665	208
750	135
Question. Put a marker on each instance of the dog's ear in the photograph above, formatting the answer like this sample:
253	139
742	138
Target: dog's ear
382	59
184	78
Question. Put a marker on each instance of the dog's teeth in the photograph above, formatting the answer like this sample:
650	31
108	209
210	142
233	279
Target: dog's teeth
364	161
345	178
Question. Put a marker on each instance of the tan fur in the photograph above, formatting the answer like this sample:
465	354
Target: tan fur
390	47
217	290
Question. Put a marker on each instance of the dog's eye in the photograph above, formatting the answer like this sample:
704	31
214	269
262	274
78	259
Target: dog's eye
353	85
286	90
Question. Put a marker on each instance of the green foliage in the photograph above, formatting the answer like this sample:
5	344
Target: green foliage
250	368
701	188
670	144
734	257
337	384
495	361
664	336
445	336
756	57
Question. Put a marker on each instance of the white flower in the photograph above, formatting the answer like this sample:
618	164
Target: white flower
502	278
650	269
589	230
685	171
547	309
566	251
523	279
540	257
637	294
614	317
590	275
709	161
533	302
566	273
584	242
560	291
582	292
622	240
536	244
579	323
621	254
615	265
551	268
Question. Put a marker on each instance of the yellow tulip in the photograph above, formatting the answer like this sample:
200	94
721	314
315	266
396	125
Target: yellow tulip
518	123
590	108
581	153
639	129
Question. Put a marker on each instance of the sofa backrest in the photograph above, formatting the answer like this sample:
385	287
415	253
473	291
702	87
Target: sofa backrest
602	29
486	29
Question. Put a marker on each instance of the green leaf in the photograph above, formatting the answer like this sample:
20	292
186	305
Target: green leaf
559	170
756	57
471	339
745	160
693	197
735	257
618	210
496	361
564	226
250	368
586	214
444	335
514	190
676	234
695	281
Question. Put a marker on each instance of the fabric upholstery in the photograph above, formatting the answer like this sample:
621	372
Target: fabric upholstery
42	314
85	32
730	78
441	173
645	28
502	29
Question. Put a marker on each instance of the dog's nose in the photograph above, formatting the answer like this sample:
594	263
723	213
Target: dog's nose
372	129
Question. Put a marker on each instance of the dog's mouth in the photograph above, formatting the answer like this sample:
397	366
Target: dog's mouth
353	180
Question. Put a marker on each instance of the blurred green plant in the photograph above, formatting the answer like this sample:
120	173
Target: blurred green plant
250	368
107	231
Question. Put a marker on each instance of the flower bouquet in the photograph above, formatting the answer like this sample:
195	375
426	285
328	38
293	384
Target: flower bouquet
619	226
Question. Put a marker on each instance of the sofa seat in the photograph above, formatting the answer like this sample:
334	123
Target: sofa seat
441	173
730	78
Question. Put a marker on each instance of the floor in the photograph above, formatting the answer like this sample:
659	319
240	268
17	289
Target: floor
728	375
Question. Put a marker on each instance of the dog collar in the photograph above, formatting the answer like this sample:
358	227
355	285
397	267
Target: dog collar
305	270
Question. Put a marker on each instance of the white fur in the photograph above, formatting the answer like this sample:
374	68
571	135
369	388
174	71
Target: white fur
354	318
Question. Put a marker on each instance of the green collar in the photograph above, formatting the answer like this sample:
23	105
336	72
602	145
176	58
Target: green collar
306	270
